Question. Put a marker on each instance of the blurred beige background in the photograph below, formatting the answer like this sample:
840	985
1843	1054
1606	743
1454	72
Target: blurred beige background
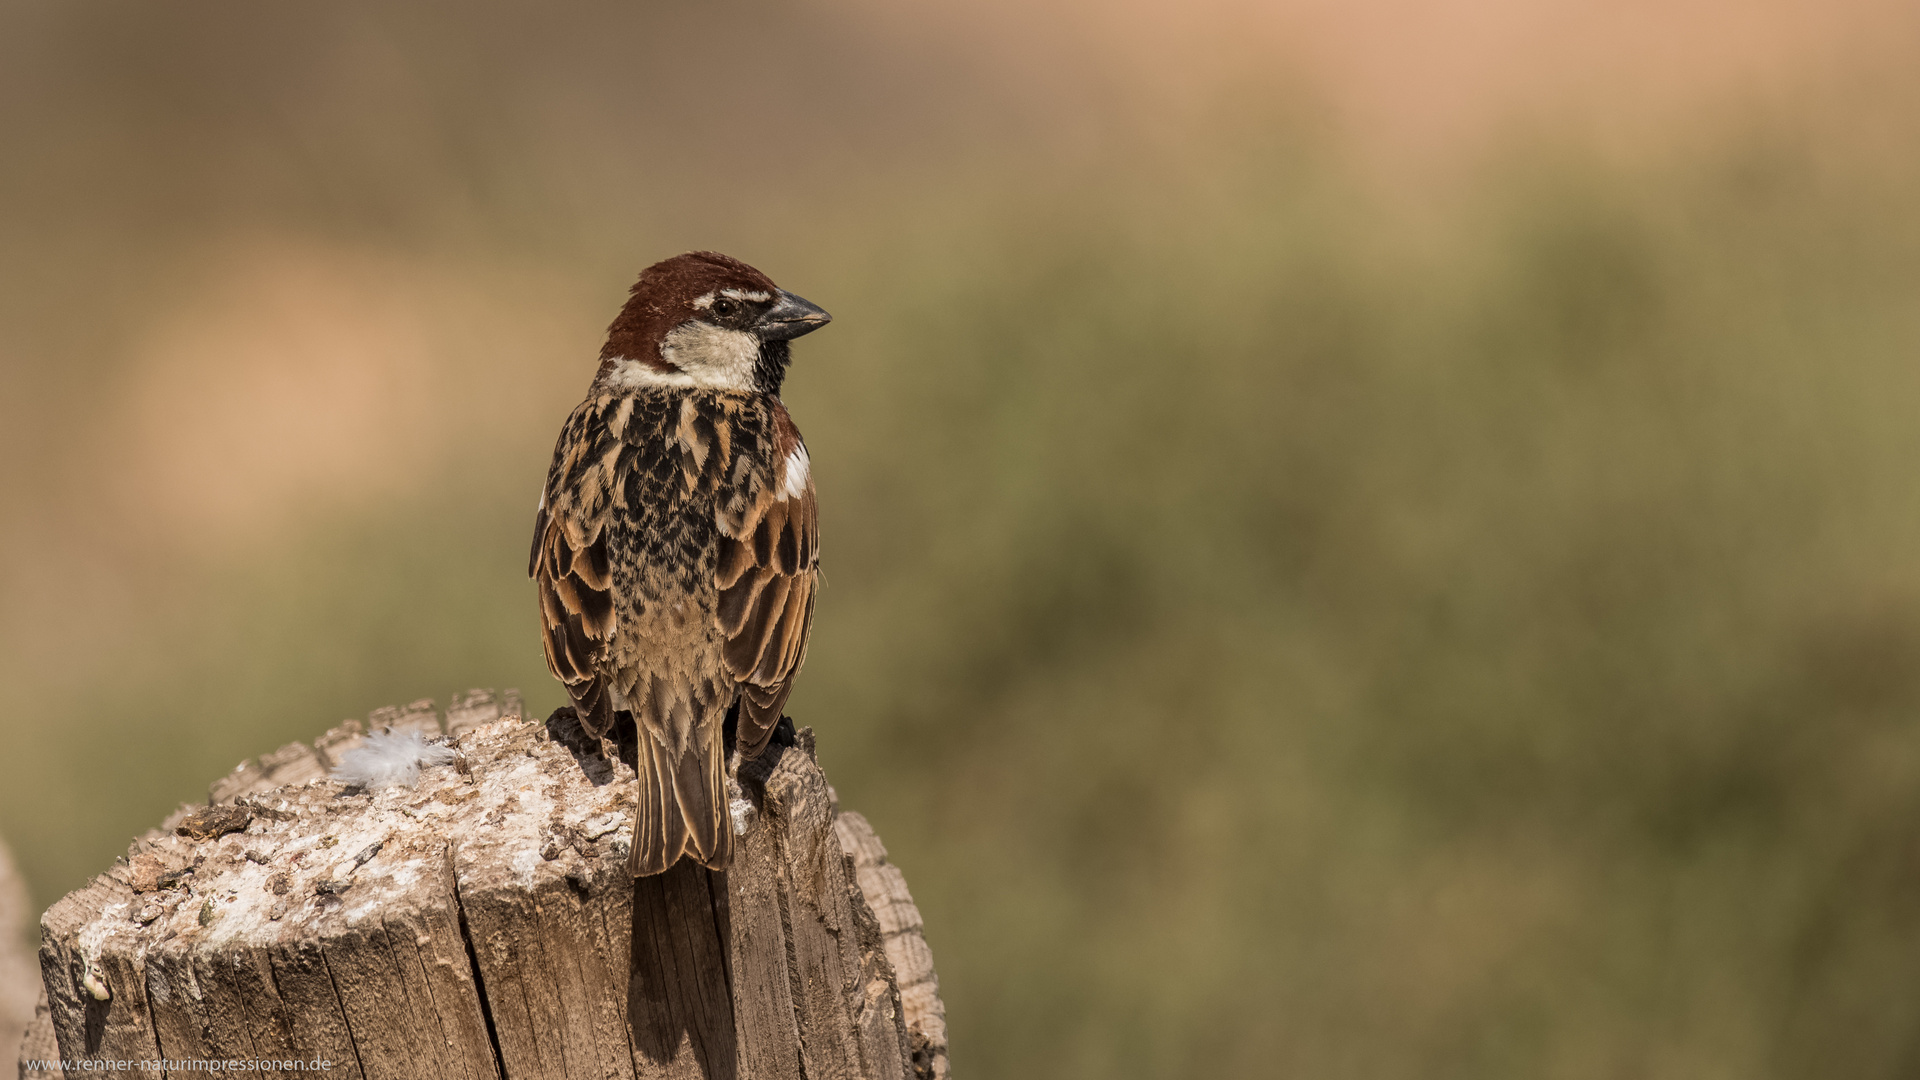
1364	540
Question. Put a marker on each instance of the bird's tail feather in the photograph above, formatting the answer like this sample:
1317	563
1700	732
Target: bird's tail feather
683	807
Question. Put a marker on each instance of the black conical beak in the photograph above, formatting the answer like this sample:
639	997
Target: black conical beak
790	317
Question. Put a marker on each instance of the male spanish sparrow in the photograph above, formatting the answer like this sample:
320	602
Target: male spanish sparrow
675	548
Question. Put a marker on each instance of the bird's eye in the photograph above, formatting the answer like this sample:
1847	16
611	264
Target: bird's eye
726	308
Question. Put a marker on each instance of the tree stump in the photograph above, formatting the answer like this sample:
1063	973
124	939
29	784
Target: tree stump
481	924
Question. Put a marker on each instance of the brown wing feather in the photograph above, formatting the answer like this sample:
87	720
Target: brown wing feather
576	614
766	579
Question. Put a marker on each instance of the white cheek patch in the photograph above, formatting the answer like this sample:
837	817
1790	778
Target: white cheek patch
713	357
793	482
705	357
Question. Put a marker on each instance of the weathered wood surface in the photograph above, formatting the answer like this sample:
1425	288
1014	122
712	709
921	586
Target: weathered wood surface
481	924
903	936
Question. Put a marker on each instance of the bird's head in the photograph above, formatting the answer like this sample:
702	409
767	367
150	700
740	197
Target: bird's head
704	320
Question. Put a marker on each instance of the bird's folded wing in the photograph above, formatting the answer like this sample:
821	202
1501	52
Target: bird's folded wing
576	611
766	574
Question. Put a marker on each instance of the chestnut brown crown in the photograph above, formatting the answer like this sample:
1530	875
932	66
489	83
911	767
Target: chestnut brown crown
709	321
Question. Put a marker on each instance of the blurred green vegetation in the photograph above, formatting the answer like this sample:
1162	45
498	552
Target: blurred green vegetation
1277	631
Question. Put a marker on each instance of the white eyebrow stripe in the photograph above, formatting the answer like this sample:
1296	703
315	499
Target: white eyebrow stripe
754	295
703	301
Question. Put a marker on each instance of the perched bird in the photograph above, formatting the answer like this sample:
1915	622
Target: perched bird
676	544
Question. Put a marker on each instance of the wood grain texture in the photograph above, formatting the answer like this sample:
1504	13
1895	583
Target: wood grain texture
482	924
39	1045
903	936
827	975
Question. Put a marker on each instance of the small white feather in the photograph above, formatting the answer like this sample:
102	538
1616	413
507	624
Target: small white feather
387	759
794	483
742	812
